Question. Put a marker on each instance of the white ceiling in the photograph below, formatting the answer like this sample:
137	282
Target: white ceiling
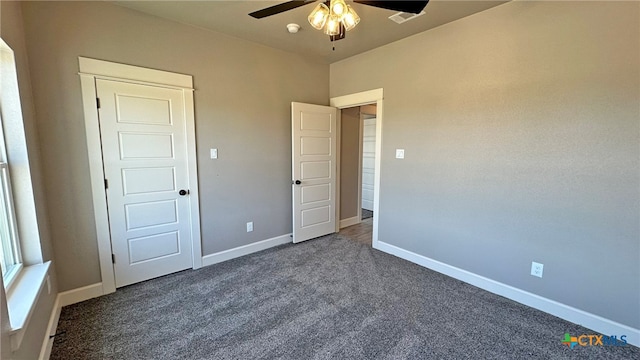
374	30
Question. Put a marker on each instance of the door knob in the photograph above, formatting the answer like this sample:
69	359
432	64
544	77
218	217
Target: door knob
183	192
298	182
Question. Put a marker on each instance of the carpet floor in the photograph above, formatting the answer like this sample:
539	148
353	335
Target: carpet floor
328	298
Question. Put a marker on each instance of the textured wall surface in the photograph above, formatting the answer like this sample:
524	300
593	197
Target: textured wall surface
242	108
521	128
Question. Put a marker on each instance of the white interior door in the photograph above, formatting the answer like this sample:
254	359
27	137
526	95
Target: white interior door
314	170
145	163
368	162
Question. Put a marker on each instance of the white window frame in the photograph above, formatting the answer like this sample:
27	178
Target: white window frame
12	228
28	282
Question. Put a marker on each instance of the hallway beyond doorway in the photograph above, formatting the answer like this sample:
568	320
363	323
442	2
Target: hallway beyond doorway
361	233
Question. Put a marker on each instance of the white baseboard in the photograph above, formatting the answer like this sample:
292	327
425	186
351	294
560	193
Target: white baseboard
350	221
47	343
80	294
63	299
577	316
245	250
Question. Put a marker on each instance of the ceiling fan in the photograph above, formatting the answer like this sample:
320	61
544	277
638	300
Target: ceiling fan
335	16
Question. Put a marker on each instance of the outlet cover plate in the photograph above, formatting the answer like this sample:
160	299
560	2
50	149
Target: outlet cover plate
536	269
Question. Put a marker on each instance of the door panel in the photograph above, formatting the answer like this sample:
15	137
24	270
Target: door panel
145	161
315	170
315	193
315	216
136	180
315	146
314	163
142	110
142	146
153	247
155	213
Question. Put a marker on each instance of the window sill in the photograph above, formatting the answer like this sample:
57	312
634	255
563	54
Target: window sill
22	298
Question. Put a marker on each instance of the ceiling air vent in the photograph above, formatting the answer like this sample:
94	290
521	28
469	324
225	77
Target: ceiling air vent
404	17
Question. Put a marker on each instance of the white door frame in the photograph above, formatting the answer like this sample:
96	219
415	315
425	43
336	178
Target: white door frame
90	70
347	101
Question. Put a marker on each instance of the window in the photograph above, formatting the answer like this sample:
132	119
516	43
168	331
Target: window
24	271
10	254
10	259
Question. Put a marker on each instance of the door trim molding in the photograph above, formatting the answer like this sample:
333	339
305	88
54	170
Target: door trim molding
350	221
90	70
375	96
100	68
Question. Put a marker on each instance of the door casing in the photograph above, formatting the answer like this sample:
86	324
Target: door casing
375	96
92	69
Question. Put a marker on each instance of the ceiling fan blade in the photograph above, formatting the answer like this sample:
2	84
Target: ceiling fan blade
414	7
277	9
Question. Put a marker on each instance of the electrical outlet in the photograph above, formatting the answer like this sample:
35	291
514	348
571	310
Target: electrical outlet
399	153
250	226
536	269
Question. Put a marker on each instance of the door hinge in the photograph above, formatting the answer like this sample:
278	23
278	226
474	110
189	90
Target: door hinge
106	183
113	258
98	102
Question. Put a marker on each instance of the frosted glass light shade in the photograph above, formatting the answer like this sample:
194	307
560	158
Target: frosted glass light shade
318	16
338	8
333	25
350	19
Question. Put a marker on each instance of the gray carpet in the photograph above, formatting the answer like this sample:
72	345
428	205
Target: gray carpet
366	214
328	298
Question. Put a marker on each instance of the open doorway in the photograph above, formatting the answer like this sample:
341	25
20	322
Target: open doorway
357	100
357	172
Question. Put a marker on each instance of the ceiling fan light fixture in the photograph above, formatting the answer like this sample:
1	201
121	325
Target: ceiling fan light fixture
338	8
334	18
319	16
333	25
350	18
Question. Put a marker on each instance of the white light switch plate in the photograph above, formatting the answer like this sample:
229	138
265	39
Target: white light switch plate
214	153
399	153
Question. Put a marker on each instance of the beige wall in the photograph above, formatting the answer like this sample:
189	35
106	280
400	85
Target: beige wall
12	32
349	162
521	128
242	108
